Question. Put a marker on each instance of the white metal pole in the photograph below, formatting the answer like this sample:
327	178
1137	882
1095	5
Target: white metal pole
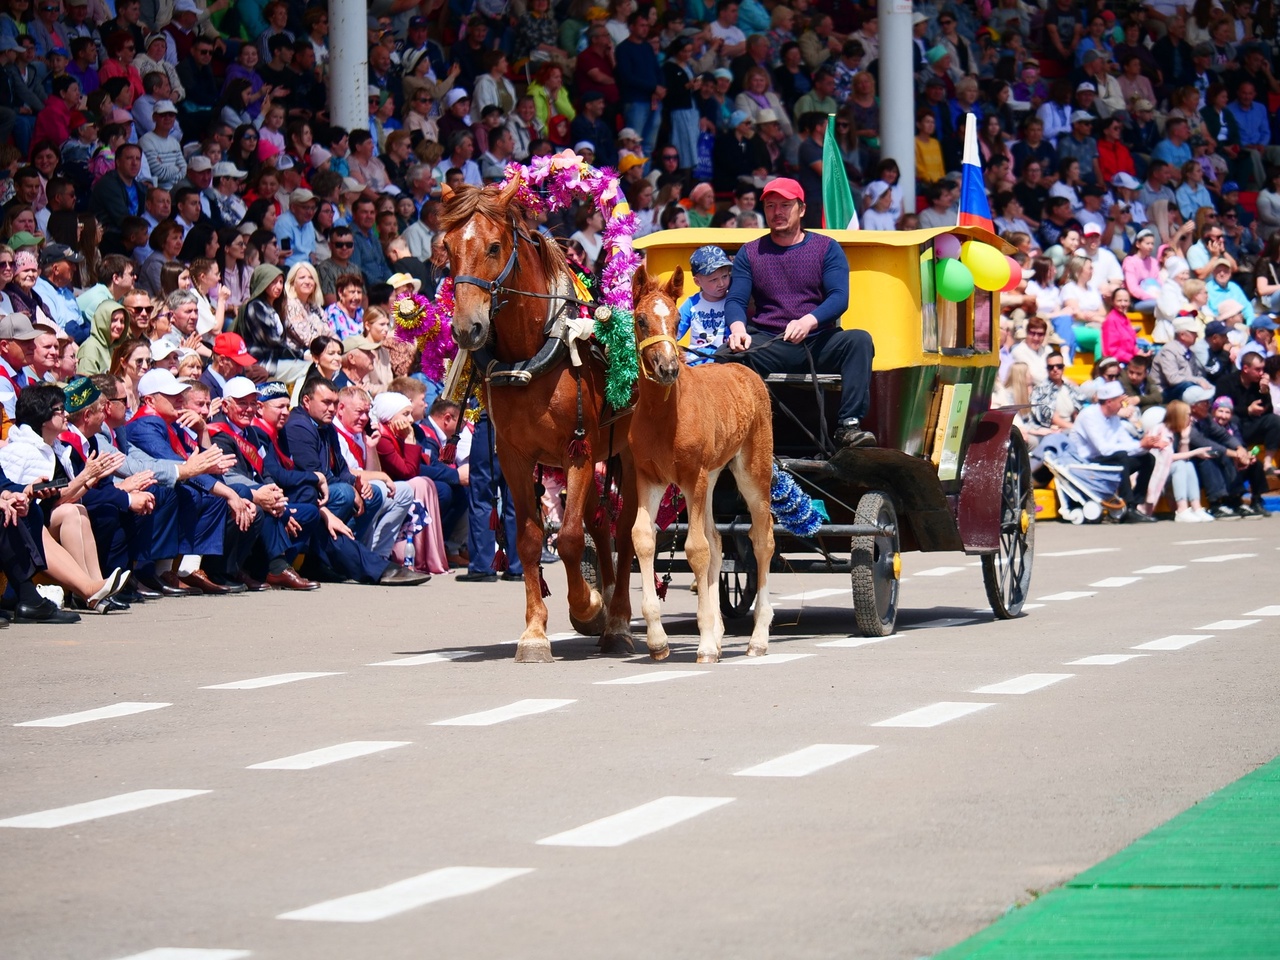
897	94
349	64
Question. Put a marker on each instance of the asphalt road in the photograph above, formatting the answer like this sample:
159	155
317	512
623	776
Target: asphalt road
891	841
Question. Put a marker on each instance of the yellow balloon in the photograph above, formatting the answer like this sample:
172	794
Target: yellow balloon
988	265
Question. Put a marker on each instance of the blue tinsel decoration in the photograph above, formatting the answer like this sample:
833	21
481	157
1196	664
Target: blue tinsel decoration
792	507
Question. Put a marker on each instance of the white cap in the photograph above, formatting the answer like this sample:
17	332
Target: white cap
164	106
1091	229
1081	116
1123	179
1109	390
227	169
584	145
238	388
186	6
454	95
199	164
352	185
161	349
160	381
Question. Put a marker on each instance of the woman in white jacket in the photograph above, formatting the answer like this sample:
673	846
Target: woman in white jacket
34	455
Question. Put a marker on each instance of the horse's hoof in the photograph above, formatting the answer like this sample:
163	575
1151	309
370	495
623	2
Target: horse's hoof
661	653
534	652
594	627
616	645
754	651
708	658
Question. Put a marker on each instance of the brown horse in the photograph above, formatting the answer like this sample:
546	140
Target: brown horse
689	424
498	267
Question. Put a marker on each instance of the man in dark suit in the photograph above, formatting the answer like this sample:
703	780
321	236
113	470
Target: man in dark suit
450	479
286	526
119	194
214	521
22	557
312	443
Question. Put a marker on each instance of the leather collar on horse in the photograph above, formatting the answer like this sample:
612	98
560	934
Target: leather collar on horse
559	329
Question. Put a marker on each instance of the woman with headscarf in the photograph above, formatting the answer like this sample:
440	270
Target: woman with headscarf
109	330
259	323
22	292
401	458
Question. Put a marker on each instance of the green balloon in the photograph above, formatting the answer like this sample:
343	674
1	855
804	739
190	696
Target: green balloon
955	281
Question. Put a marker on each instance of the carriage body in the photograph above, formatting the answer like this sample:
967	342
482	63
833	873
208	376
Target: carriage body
949	472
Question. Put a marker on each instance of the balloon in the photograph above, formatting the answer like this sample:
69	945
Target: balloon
990	267
954	281
946	246
1015	275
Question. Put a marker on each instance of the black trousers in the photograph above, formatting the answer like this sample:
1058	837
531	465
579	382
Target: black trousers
1140	463
846	352
21	552
1263	431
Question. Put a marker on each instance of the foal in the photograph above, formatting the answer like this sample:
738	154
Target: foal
689	424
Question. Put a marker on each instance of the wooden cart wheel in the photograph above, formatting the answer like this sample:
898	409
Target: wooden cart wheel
874	568
738	585
590	567
1007	572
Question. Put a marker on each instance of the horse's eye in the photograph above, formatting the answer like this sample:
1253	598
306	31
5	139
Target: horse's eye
494	249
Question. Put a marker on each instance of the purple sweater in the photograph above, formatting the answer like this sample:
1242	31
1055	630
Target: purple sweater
788	282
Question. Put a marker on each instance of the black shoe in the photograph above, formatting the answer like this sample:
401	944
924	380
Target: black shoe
1223	512
46	611
1258	510
513	577
107	605
470	577
144	594
163	589
130	597
233	586
1133	515
850	434
397	576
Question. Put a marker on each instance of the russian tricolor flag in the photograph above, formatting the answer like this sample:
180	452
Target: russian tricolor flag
975	211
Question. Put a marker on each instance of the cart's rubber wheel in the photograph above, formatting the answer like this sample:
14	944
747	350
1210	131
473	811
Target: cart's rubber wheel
874	568
590	567
738	587
1007	573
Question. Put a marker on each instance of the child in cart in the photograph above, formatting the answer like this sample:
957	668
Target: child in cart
702	315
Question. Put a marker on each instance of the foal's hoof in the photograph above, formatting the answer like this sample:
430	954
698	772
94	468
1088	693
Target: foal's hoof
534	652
708	658
616	645
757	651
661	653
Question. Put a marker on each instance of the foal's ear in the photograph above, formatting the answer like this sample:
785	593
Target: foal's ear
640	283
675	286
446	193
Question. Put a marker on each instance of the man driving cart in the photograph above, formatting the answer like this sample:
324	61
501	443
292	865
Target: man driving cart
800	284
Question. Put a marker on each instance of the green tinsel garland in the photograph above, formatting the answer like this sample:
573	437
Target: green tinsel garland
618	334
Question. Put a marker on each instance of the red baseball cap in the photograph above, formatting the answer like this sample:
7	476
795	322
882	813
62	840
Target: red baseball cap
232	345
784	187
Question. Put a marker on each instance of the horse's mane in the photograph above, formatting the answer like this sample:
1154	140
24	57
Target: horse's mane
468	201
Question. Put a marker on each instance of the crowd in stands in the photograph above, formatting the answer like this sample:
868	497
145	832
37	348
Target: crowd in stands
198	378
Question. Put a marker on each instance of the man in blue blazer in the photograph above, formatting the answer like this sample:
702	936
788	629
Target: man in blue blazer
313	445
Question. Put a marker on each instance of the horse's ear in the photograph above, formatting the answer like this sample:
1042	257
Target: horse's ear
639	283
446	193
675	286
510	190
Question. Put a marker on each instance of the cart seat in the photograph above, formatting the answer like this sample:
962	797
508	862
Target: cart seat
827	381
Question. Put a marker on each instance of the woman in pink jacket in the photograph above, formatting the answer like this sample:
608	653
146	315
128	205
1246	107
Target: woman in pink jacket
1142	271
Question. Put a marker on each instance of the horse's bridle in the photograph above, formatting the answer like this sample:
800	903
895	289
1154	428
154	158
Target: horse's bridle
648	342
495	287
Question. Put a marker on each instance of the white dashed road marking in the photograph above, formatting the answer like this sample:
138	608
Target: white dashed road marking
1223	558
1079	553
855	641
1116	582
1104	660
188	953
407	894
1161	568
1175	642
512	711
1027	683
1070	595
1197	543
637	822
771	659
1264	612
818	594
655	676
101	713
933	715
1228	624
96	809
327	755
938	571
272	681
801	763
443	656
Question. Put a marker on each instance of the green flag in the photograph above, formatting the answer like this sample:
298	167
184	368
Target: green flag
838	211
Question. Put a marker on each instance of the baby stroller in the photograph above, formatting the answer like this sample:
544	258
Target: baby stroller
1085	489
